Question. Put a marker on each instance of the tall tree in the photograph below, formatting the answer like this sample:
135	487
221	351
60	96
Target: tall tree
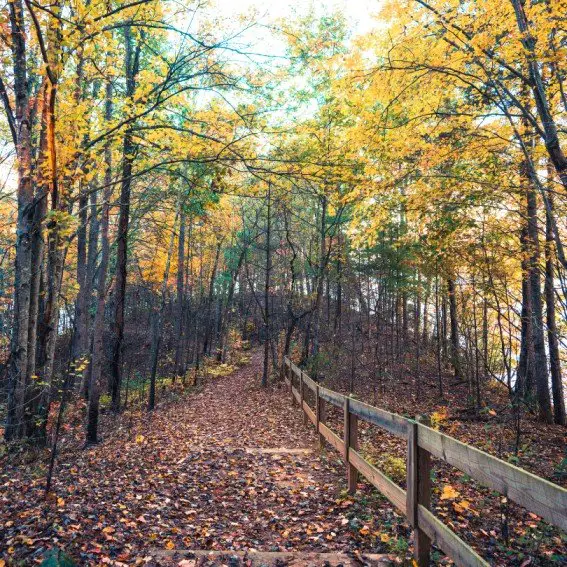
132	67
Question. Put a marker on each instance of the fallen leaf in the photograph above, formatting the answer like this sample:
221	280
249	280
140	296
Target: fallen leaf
461	506
109	530
449	493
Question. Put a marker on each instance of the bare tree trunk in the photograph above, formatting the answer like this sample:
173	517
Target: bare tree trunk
552	337
21	131
224	323
132	66
210	297
80	335
267	338
439	330
180	302
186	352
320	282
444	326
540	357
37	401
91	263
425	332
38	281
476	349
525	370
339	299
454	323
98	324
158	323
485	360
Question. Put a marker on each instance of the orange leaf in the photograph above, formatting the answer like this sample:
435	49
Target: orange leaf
449	493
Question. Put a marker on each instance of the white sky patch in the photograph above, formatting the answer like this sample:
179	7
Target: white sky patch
360	14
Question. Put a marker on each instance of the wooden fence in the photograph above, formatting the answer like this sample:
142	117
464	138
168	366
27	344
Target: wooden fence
536	494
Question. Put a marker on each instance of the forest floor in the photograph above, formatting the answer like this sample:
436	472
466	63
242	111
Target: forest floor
229	466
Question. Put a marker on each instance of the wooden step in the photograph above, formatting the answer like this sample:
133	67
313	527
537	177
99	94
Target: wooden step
252	558
277	451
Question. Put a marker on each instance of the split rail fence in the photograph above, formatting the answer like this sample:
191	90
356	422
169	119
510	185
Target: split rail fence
536	494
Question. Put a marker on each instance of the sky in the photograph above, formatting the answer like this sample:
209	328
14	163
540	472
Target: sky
357	10
359	13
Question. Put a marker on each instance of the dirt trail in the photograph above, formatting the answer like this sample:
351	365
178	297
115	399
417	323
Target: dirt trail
202	473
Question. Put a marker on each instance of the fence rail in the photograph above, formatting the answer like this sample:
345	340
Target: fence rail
536	494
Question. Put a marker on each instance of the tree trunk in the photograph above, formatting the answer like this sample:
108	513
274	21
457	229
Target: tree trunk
34	392
210	297
552	336
525	371
157	330
265	372
320	282
425	332
224	324
80	335
97	352
180	301
82	303
22	276
439	330
454	324
132	66
339	299
534	289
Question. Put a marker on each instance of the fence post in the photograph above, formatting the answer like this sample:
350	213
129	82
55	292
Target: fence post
418	468
320	410
290	377
317	408
350	431
301	396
